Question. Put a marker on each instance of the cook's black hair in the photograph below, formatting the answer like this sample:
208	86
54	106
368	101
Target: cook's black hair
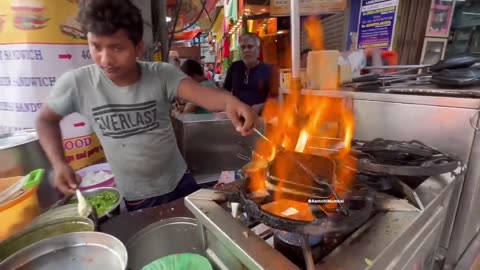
192	67
106	17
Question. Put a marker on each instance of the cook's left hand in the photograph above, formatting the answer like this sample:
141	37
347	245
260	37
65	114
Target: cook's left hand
243	117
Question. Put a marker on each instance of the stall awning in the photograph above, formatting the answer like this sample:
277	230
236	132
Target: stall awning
188	34
192	11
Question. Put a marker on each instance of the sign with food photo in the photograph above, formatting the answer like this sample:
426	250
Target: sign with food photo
71	27
28	15
40	21
2	23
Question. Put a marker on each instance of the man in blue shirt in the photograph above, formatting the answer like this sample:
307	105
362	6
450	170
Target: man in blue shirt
251	80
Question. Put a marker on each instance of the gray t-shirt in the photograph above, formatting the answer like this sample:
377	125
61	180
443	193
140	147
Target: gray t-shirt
132	123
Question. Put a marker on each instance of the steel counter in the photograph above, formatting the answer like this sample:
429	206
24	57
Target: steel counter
442	122
210	144
389	240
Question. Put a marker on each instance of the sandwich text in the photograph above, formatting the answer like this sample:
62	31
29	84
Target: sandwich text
27	81
21	55
20	107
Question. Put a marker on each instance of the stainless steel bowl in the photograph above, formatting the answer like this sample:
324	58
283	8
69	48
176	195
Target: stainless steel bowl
73	251
114	211
163	238
20	153
41	231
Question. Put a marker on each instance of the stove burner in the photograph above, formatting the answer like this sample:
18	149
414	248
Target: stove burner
376	181
297	248
403	158
289	245
311	186
358	201
296	239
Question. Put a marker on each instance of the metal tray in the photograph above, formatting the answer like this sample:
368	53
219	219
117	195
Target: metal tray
80	250
40	231
163	238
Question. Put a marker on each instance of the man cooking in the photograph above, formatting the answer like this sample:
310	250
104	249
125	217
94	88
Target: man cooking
251	80
127	103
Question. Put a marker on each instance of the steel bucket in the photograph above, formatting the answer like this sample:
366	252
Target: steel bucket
21	153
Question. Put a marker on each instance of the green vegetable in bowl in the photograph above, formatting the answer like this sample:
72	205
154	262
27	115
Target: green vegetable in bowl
102	202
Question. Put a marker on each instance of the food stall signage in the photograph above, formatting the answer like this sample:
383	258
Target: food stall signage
377	23
39	41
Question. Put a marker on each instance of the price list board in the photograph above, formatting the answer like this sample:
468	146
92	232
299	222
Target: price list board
39	41
377	24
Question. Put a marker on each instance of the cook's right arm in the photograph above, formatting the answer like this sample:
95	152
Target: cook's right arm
48	128
60	103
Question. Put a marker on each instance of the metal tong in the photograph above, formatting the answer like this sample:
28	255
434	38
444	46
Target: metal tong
375	82
341	207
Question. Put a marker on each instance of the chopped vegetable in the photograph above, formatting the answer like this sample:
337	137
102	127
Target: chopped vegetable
102	202
368	262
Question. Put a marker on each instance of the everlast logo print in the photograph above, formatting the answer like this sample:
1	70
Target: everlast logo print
125	120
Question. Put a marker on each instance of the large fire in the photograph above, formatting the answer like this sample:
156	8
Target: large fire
305	124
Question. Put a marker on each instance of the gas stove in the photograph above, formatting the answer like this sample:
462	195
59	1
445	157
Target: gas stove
386	239
333	236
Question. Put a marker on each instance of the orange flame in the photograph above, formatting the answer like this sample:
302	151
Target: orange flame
307	124
314	30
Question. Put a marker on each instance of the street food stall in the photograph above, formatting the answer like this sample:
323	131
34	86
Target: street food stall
387	239
382	179
409	231
408	224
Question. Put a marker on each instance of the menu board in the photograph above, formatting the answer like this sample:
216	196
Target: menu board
377	24
39	41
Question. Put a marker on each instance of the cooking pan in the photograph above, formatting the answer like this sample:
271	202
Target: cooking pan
310	178
448	68
462	77
454	63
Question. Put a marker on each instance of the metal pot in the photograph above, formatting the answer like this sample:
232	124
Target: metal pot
21	153
163	238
